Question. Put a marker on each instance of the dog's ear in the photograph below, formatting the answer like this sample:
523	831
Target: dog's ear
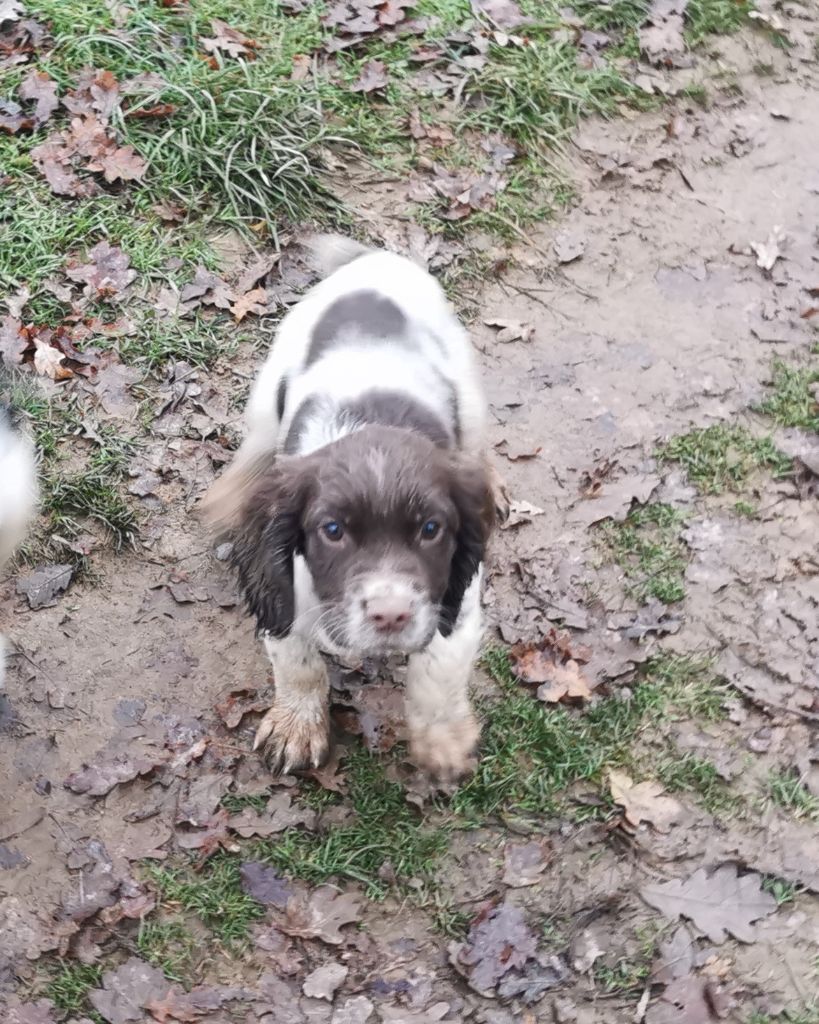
266	535
471	492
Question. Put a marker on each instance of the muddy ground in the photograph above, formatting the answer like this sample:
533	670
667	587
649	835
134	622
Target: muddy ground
664	320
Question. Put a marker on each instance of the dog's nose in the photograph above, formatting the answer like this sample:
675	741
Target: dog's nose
389	614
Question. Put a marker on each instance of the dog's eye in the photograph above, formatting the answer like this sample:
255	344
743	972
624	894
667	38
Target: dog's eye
333	530
430	529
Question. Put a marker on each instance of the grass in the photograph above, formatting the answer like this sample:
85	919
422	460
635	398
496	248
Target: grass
809	1014
786	790
532	752
692	774
215	894
782	890
793	400
69	986
722	457
648	548
383	827
170	945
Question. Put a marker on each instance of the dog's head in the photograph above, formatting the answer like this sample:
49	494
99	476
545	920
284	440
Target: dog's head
392	528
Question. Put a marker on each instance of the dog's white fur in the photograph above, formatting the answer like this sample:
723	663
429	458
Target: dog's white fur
18	496
442	727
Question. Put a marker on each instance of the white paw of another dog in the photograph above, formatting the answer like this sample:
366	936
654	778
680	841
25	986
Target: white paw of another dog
294	738
446	750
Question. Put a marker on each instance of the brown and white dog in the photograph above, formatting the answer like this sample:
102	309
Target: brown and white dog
18	493
359	504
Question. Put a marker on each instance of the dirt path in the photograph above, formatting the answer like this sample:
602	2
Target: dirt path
664	320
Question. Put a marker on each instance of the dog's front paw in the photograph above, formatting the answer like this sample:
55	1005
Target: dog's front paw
446	750
294	738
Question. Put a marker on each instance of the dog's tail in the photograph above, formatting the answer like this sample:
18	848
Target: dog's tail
18	482
333	251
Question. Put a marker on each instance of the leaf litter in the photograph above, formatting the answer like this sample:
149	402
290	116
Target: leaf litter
644	801
499	941
719	904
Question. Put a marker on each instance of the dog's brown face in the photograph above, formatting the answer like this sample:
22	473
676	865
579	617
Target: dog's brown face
392	528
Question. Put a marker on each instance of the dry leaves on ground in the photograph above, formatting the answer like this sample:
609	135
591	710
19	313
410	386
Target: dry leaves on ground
644	801
353	20
769	251
661	38
321	915
511	330
499	941
264	885
719	904
554	663
44	585
690	1000
107	273
127	990
230	41
373	77
324	981
524	863
613	498
278	815
109	769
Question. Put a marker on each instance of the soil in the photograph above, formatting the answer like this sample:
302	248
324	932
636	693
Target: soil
664	321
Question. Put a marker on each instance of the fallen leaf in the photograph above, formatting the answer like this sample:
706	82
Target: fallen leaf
229	40
520	512
237	703
379	717
208	289
615	498
373	76
179	1005
661	38
769	251
358	1010
503	13
324	981
42	586
674	957
53	160
254	301
213	835
127	990
553	663
524	863
48	361
264	885
39	87
108	272
653	617
719	904
685	1001
14	1010
511	330
517	452
321	915
567	681
12	118
278	815
101	775
568	247
122	163
644	801
499	941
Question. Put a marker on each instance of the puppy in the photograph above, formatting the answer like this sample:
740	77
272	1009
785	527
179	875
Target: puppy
359	504
18	493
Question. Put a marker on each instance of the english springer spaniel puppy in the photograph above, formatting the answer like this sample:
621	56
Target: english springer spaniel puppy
18	493
360	504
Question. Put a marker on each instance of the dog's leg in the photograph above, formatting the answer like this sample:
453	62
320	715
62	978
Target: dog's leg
294	734
443	730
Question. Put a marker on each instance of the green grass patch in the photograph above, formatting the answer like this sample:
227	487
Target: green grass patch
531	751
383	827
214	894
170	945
793	400
782	890
809	1014
786	790
69	986
692	774
648	548
720	457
